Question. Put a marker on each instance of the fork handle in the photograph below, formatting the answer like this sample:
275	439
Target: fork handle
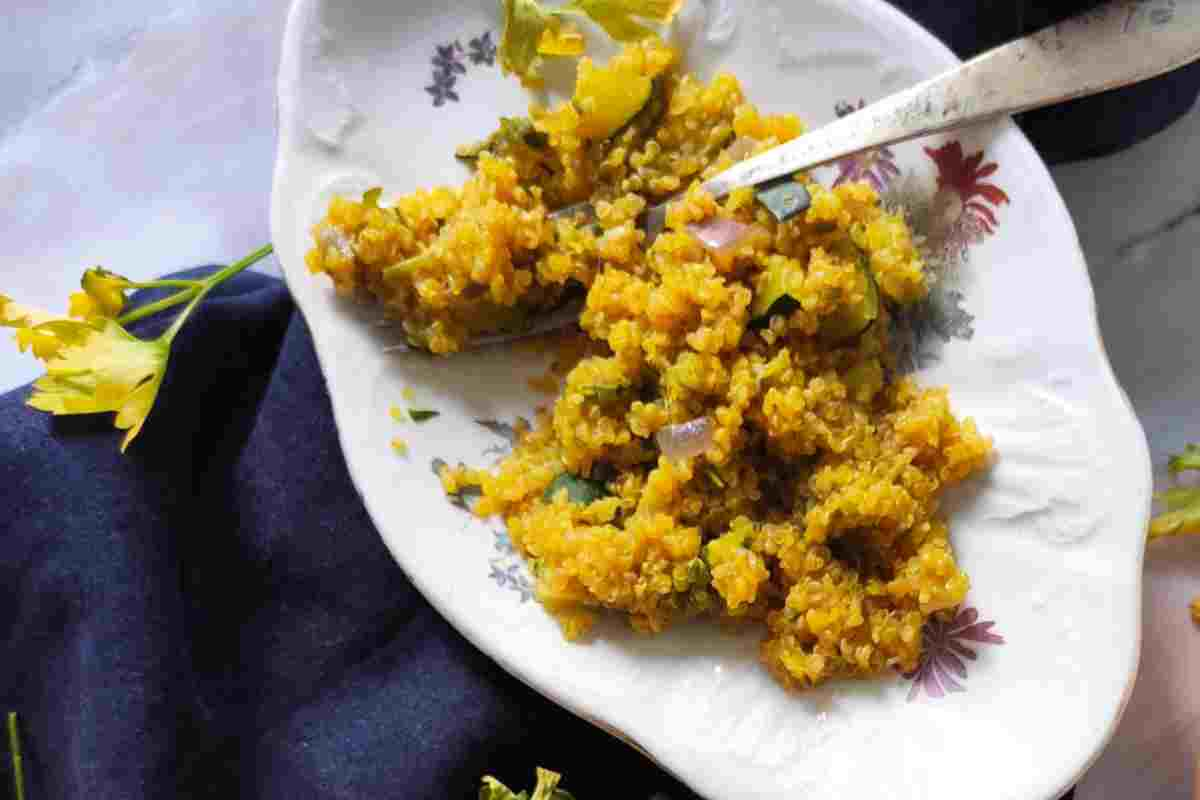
1113	45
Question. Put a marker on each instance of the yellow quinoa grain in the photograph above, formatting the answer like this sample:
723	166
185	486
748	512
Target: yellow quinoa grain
811	507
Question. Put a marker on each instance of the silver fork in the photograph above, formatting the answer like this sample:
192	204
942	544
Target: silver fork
1113	45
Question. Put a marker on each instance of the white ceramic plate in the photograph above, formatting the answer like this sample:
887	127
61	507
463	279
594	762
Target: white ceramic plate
377	92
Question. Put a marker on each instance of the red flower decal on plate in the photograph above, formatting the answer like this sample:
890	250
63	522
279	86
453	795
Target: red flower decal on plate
964	200
942	665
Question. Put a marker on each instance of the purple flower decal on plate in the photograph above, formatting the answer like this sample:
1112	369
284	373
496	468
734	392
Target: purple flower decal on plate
508	568
450	62
482	50
449	58
942	665
876	167
442	88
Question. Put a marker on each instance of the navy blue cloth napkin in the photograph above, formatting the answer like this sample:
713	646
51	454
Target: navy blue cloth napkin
213	614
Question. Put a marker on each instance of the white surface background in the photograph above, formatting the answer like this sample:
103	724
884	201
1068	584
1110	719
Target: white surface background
140	136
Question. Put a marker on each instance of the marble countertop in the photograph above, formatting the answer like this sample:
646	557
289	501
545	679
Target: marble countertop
147	146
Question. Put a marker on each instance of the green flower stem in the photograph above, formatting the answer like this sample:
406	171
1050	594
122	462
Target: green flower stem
166	283
194	290
212	281
14	747
159	305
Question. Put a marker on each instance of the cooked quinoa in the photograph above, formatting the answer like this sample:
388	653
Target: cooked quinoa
812	509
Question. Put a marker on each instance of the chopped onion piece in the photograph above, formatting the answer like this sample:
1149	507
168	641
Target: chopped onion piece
686	440
719	234
742	147
329	236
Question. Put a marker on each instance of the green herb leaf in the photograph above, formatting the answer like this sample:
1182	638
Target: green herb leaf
700	600
465	497
1182	516
604	394
581	491
423	414
865	380
1189	459
714	476
773	299
547	789
513	132
784	197
493	789
14	747
547	784
854	320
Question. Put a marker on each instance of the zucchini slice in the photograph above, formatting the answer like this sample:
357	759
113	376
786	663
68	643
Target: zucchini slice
773	299
580	491
848	323
784	197
854	320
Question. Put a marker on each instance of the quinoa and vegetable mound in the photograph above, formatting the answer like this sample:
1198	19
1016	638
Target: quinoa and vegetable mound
733	442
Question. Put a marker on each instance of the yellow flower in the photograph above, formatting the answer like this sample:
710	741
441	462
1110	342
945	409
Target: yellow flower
103	295
94	365
104	368
40	331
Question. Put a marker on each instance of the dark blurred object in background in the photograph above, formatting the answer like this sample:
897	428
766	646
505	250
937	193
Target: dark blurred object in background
1088	128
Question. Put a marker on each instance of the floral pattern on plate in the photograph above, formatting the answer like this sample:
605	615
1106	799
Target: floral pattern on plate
508	568
948	221
450	61
942	664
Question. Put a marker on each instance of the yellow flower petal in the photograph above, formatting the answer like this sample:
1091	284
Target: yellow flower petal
44	345
101	367
131	416
40	331
15	315
107	290
565	41
81	305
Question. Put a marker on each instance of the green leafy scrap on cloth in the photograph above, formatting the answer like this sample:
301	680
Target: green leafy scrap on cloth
546	789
